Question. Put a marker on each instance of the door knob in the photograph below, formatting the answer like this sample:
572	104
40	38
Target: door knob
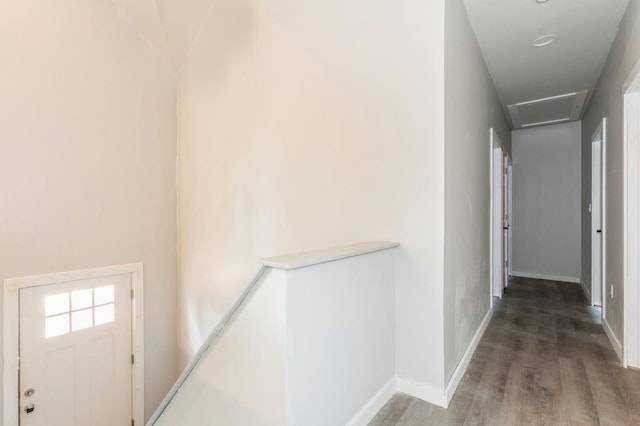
29	408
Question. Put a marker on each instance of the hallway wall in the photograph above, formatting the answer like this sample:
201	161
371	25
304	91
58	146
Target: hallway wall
87	157
306	125
607	101
471	108
546	202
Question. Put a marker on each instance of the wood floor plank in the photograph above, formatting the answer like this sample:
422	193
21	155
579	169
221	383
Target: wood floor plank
628	382
393	410
608	399
422	413
576	399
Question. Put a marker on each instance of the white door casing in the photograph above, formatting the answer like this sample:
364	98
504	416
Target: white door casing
596	223
76	335
505	221
631	338
496	215
510	217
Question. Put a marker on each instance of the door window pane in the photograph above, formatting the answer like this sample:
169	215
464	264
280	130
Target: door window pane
56	304
81	299
103	295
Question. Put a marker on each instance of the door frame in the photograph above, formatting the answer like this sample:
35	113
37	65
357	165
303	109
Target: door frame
510	217
12	286
631	327
599	145
495	232
506	220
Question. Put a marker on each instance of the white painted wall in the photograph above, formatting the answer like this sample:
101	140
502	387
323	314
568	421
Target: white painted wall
312	124
87	157
471	108
340	337
547	194
607	102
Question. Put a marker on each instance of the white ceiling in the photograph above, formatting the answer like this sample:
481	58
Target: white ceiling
584	29
505	30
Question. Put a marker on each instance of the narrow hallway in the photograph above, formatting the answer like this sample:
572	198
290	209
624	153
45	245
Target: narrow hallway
545	359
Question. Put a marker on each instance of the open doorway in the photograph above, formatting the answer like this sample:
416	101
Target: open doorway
598	153
497	216
631	340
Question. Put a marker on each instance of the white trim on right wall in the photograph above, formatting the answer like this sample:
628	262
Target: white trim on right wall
631	330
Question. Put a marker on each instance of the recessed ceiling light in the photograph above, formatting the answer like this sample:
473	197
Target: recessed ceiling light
541	1
544	40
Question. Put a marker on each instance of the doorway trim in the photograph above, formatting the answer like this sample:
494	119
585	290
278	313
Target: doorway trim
510	219
496	191
11	289
631	328
599	146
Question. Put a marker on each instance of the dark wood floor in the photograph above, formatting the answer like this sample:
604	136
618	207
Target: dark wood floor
544	360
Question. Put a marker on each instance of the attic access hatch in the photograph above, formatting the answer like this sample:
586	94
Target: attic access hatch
551	110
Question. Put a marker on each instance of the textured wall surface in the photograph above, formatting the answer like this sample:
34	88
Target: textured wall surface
607	101
471	109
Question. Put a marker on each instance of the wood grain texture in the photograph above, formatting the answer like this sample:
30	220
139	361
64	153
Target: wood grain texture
544	360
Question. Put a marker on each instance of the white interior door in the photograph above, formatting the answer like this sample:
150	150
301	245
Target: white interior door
75	353
596	218
505	222
497	216
510	219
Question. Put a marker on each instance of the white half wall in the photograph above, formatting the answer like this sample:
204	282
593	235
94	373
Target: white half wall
547	197
340	337
87	157
607	102
312	344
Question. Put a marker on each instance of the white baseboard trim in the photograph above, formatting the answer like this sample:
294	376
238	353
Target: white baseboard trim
375	404
418	390
615	342
458	373
546	277
586	290
422	391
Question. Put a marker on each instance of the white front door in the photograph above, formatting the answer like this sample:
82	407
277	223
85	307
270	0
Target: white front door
75	353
